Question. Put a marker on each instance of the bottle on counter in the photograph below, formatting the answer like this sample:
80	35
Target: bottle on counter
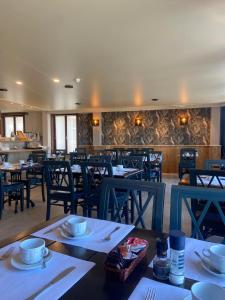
161	262
177	245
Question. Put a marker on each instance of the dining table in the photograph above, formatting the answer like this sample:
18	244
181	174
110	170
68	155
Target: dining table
97	283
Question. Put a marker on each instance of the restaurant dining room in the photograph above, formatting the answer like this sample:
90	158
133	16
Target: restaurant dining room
112	150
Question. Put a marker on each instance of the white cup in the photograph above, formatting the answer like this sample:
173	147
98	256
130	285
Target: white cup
75	226
119	167
215	256
207	291
32	250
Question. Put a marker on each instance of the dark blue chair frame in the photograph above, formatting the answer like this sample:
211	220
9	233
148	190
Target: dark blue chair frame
131	189
181	194
100	158
211	222
212	164
93	174
187	162
76	158
60	187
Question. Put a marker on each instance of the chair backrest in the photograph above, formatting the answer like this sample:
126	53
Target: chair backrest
76	158
112	189
114	155
93	174
135	162
156	157
141	151
38	157
81	150
187	195
188	154
58	176
3	157
207	178
100	158
214	164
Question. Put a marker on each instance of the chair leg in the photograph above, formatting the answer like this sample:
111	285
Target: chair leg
21	200
43	188
48	210
28	194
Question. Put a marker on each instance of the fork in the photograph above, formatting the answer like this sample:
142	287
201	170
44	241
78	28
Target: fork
108	237
7	253
150	295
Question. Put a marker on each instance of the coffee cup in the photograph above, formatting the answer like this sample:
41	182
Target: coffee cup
119	167
75	226
215	256
207	291
32	250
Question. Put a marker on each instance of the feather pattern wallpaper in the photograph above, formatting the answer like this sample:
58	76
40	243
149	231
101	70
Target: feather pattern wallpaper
84	129
159	127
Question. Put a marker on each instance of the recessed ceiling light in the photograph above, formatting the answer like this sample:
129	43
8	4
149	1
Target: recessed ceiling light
155	99
19	82
68	86
11	103
77	80
56	80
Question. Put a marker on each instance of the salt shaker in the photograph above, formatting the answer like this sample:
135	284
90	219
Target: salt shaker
177	245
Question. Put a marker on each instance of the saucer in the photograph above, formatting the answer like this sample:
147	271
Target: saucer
66	235
18	264
188	297
208	269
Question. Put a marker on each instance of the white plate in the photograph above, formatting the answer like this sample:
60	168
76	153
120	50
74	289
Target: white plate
65	234
18	264
189	297
204	265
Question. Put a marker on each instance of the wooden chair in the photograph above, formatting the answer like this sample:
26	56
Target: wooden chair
187	161
186	195
13	192
60	187
211	225
93	174
110	200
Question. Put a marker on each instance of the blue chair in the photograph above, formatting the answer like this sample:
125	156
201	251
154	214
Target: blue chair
60	187
13	192
187	161
76	158
115	193
100	158
212	164
186	195
93	174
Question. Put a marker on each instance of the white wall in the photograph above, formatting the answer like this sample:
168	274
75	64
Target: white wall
215	126
33	122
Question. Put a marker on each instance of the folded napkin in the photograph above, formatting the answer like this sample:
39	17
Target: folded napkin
20	285
162	291
93	241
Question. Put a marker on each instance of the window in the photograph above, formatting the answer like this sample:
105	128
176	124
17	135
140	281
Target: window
65	132
13	123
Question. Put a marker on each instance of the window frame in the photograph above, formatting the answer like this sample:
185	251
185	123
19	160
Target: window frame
53	129
14	115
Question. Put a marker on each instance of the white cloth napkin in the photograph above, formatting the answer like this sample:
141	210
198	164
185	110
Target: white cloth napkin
162	291
20	285
192	264
95	241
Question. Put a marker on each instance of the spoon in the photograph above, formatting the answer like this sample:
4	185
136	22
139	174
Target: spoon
208	266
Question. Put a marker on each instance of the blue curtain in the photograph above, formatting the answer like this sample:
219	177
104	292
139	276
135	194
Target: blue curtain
222	131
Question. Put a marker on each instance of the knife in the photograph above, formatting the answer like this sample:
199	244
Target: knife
56	279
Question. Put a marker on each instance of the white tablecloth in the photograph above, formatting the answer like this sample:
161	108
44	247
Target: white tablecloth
162	291
20	285
95	241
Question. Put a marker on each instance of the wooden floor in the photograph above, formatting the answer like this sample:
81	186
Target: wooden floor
12	223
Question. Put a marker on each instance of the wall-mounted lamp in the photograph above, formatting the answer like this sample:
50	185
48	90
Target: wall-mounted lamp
183	120
95	122
138	122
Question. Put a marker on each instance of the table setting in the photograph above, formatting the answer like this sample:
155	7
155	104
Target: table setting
89	233
35	272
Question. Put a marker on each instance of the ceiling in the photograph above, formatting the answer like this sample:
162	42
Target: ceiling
125	51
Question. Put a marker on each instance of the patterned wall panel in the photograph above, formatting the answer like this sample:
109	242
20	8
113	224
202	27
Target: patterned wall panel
160	127
84	129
